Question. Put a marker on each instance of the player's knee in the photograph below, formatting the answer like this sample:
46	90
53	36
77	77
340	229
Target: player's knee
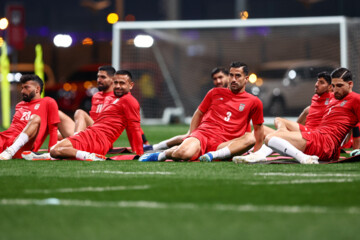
79	114
35	119
249	139
181	153
277	120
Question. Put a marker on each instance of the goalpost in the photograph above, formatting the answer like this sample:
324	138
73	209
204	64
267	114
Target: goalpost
173	75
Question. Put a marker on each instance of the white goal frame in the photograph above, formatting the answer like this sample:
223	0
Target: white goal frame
269	22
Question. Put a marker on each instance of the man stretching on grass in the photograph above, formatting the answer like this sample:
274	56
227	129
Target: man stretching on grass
123	112
223	115
34	119
324	142
319	102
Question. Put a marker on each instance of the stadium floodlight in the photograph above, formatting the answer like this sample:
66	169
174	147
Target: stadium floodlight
4	23
143	41
62	40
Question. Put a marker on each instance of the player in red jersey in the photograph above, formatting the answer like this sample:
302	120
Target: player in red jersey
223	115
67	127
34	119
220	78
123	112
324	142
311	116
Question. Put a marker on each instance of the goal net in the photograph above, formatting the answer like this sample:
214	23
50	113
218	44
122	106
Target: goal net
173	74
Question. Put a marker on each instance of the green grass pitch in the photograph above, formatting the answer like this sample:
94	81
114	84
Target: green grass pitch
177	200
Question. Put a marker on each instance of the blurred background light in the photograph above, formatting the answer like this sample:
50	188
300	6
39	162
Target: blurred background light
143	41
4	23
87	41
112	18
63	40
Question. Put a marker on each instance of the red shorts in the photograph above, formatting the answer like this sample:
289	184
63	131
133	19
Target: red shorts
90	141
320	144
208	141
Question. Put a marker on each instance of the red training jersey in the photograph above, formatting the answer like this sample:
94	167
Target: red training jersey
317	109
98	103
47	109
121	113
228	115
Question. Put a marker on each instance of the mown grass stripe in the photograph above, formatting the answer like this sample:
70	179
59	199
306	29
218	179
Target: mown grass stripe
87	189
190	206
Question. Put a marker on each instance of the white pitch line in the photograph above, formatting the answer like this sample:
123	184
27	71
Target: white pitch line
188	206
308	174
88	189
133	173
305	181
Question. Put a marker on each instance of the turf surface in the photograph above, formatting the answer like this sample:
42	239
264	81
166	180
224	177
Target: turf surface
219	200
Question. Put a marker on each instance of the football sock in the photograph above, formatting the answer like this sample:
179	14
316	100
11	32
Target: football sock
19	142
221	153
265	150
160	146
285	148
82	155
162	156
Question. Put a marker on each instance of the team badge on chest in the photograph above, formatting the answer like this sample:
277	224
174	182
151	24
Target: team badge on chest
37	106
241	107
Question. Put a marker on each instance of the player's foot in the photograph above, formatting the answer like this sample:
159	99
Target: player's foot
147	147
355	152
6	154
31	156
95	157
149	157
310	160
251	158
207	157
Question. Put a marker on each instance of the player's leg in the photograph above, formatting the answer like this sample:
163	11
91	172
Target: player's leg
230	148
282	123
168	143
28	134
66	126
65	149
185	151
82	120
290	144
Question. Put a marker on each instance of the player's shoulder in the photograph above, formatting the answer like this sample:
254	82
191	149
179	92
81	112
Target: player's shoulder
48	100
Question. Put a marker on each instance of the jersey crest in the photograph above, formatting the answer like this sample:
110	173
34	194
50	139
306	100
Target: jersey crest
37	106
241	107
327	101
343	103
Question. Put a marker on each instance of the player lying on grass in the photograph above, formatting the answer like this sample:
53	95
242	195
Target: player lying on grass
324	142
311	116
223	115
220	78
122	112
34	119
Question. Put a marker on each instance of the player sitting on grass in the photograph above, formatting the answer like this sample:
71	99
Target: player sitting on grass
34	119
220	78
324	142
123	112
223	115
311	115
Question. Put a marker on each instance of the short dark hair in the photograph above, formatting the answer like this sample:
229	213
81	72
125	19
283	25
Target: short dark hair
240	65
342	73
124	72
32	77
219	69
325	75
108	69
